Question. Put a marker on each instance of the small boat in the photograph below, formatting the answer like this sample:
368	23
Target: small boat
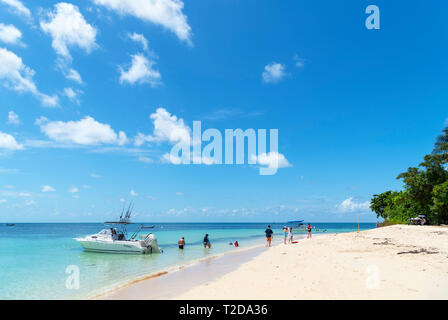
114	239
9	224
298	225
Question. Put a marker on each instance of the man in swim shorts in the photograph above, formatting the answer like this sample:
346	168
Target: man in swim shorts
309	231
268	233
181	243
285	233
207	241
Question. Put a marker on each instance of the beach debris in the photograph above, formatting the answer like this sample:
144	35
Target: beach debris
418	251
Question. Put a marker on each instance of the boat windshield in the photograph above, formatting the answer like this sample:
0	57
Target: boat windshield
105	232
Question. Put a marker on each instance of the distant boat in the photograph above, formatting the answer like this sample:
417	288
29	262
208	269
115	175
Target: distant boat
9	224
298	223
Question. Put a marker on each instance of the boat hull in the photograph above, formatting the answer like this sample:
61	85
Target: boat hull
113	246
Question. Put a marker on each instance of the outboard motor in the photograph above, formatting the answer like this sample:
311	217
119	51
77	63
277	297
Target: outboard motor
151	241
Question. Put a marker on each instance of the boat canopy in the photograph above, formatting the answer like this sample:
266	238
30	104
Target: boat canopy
296	221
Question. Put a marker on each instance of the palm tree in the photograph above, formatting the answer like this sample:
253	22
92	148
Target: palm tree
441	145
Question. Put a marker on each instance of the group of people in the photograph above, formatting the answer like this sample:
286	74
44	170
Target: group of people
207	244
287	232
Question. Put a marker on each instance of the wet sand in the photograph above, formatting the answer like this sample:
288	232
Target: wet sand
168	284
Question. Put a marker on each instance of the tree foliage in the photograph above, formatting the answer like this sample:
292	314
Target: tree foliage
425	190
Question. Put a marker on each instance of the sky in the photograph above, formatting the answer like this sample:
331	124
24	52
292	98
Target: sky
94	95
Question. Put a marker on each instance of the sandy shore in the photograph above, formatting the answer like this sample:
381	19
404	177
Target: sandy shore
396	262
169	283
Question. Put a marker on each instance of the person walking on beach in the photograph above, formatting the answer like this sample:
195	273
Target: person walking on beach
207	242
309	231
285	233
181	243
290	235
268	233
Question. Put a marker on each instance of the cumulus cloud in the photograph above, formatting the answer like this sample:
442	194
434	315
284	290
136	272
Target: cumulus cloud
133	193
68	72
141	71
8	142
167	128
68	28
13	118
86	131
18	7
139	38
17	76
271	160
73	190
273	72
349	205
72	94
167	13
10	34
47	188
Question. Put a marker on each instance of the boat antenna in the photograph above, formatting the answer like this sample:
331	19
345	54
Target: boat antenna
122	211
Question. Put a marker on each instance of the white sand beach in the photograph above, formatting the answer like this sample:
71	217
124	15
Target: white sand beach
395	262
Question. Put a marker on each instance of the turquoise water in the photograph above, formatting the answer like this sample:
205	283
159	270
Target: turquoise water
34	256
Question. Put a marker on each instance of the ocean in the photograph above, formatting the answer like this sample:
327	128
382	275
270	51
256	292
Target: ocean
36	259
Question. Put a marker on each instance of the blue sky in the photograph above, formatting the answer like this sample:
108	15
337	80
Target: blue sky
80	80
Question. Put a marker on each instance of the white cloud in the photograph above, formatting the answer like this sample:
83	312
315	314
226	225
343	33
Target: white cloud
13	118
7	141
299	61
139	38
167	13
273	72
67	26
349	205
3	201
133	193
271	160
167	157
10	34
73	190
86	131
145	159
141	71
18	77
122	200
74	75
18	7
95	175
72	94
47	188
167	127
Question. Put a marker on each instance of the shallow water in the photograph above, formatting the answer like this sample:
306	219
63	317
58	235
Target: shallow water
34	256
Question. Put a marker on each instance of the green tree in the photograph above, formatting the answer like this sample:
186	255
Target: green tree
440	200
441	145
380	203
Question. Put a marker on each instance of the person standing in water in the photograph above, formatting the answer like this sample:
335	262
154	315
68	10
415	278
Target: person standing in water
181	243
285	233
268	233
207	242
309	231
290	235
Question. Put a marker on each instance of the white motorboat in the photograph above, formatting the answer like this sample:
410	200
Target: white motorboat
114	239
